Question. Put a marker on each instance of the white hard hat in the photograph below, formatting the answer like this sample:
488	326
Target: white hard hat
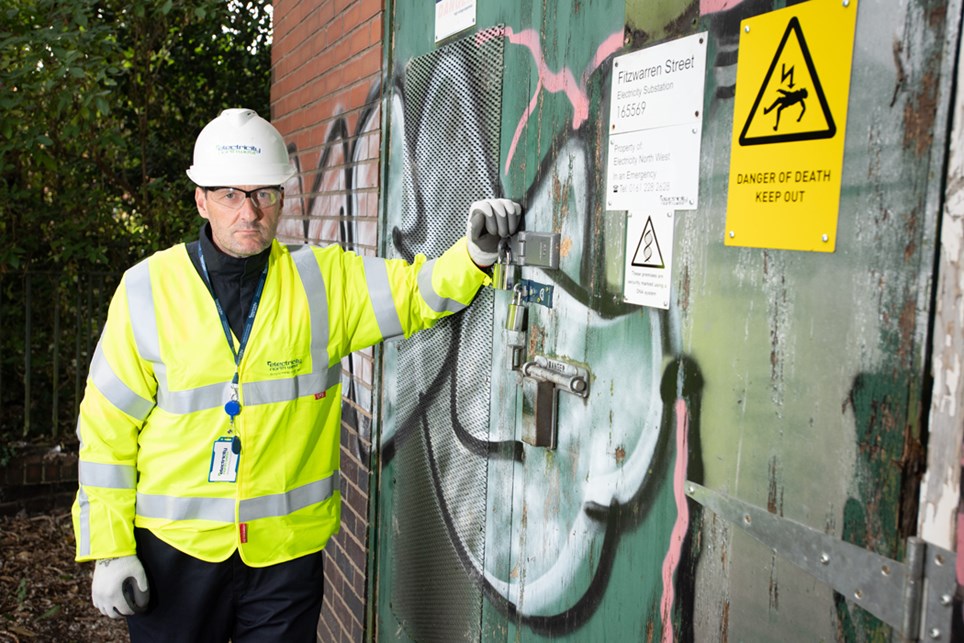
240	148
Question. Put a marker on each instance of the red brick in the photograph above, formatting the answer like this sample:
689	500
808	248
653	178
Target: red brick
327	61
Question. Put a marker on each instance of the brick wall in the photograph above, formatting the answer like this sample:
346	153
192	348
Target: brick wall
38	480
325	100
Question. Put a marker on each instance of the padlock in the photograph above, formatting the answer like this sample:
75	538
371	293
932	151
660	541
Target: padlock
515	330
503	272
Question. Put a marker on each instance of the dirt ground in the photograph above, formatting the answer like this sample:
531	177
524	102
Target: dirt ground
44	594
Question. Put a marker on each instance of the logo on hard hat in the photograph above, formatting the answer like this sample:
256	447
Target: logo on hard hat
238	149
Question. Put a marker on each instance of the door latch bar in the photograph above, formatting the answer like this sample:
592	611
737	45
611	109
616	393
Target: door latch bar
549	376
563	375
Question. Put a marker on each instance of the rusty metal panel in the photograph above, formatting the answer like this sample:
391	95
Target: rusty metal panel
792	381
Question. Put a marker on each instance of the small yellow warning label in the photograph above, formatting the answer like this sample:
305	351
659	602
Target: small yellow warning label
789	118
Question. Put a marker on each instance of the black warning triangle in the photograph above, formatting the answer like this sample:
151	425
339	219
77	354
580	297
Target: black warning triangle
648	254
789	98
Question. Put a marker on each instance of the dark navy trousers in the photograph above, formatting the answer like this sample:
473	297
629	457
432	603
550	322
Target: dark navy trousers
195	601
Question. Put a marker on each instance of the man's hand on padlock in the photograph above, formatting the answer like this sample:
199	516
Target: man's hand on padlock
119	587
490	221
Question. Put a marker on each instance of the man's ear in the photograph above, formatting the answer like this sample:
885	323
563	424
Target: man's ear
201	200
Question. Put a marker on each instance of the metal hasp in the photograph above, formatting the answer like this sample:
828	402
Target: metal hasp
913	597
549	376
535	249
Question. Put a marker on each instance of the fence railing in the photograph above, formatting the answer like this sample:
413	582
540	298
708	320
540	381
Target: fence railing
49	326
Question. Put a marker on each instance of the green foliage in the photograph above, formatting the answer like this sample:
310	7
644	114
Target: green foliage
100	102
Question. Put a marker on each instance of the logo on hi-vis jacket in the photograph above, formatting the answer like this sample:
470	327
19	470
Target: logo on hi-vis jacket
285	367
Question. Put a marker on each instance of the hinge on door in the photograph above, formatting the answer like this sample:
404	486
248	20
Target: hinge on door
914	597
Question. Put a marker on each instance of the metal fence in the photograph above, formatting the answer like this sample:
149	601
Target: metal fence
49	326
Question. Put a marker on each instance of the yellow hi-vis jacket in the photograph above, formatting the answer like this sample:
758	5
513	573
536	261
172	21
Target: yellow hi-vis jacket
153	407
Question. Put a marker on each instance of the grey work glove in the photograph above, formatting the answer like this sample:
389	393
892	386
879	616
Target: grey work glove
490	221
119	587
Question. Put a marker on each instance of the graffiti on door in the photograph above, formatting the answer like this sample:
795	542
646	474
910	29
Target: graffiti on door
550	558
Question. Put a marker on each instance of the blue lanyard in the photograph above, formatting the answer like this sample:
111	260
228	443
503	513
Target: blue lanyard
233	407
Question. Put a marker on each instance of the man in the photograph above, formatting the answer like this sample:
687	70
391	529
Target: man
210	423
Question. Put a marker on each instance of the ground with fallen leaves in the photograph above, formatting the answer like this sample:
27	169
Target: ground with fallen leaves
44	594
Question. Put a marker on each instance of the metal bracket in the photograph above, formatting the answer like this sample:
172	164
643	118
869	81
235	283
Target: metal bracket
914	597
535	249
563	375
549	377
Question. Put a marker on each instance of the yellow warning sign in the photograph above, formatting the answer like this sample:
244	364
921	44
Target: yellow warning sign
789	121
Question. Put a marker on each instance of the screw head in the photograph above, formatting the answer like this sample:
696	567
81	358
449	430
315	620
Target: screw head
746	29
732	234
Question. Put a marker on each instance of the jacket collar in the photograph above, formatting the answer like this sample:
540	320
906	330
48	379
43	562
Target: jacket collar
224	265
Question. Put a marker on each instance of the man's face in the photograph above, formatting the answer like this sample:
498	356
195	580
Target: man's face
239	231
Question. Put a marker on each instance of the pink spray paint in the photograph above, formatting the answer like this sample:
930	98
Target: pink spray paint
713	6
674	554
557	81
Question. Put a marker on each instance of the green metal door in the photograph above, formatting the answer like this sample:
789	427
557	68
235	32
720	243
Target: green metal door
792	381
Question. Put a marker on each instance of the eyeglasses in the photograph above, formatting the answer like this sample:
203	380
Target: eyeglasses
234	198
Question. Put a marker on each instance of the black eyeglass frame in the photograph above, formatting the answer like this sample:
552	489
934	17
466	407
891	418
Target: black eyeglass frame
247	193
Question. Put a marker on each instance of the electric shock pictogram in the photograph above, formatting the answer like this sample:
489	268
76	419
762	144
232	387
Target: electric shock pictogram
796	83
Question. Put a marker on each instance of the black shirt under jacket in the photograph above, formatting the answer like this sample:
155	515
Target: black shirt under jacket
234	279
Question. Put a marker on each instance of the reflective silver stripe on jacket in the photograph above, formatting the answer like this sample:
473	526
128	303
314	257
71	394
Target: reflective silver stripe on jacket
222	509
380	293
282	504
322	377
211	396
114	389
111	476
314	285
140	303
83	535
270	391
184	508
95	474
435	301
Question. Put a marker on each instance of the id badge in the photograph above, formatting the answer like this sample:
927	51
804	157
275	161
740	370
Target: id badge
224	462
